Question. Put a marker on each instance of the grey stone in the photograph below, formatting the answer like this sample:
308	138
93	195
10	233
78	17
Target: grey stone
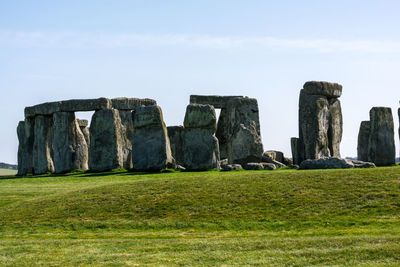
127	134
268	159
25	132
200	146
232	167
82	123
223	162
222	134
180	168
214	100
244	139
314	123
72	105
269	166
106	141
254	166
275	155
86	134
200	116
362	164
70	148
43	145
335	130
363	141
327	89
326	163
150	143
287	161
297	150
175	134
124	103
381	149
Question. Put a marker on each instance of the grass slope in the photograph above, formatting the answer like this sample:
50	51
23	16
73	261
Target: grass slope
344	217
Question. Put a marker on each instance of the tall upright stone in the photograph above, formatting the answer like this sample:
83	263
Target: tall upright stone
43	145
127	135
70	148
244	138
150	142
200	146
175	134
106	141
83	125
25	132
320	122
363	141
381	149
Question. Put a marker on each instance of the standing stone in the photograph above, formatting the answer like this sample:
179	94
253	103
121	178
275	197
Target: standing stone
297	150
106	141
335	130
244	138
70	148
83	125
363	141
200	146
382	150
150	142
25	132
43	145
222	133
175	134
314	124
127	135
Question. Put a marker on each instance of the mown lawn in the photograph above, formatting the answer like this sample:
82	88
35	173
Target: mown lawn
268	218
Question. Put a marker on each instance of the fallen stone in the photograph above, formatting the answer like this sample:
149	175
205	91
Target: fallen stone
381	150
200	146
268	157
124	103
269	166
25	132
223	162
70	147
254	166
175	134
326	163
43	145
232	167
327	89
106	141
150	143
287	161
362	164
180	168
363	141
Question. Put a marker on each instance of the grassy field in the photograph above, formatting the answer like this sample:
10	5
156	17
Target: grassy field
267	218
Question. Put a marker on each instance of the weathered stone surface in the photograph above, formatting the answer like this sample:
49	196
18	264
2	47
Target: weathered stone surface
268	159
223	162
314	123
82	123
86	134
363	141
70	147
327	89
175	134
43	145
222	134
180	168
287	161
200	150
150	143
244	139
297	150
275	155
215	100
335	130
106	141
326	163
200	116
200	146
381	149
125	103
72	105
362	164
254	166
232	167
269	166
127	134
25	132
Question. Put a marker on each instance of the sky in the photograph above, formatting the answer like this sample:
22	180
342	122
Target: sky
170	49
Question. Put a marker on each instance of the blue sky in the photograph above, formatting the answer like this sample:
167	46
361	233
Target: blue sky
167	50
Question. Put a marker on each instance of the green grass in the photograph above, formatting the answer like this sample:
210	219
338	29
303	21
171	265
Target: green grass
274	218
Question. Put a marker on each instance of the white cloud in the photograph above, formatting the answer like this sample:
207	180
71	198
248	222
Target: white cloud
128	40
